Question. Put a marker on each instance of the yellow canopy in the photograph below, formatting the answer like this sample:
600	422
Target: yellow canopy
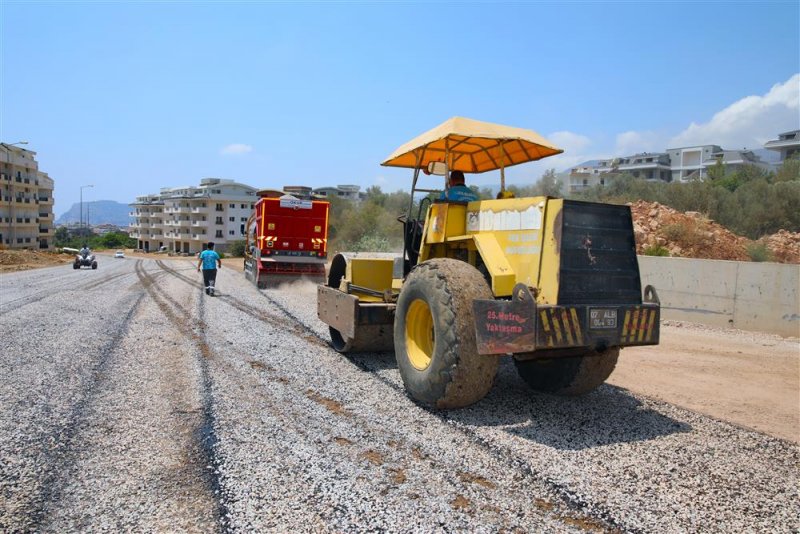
473	147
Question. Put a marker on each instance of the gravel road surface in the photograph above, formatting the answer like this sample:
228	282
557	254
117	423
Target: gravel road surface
131	401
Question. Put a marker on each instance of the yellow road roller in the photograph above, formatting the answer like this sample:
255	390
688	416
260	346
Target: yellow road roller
551	282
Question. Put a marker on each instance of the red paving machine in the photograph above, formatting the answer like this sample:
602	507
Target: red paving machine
287	240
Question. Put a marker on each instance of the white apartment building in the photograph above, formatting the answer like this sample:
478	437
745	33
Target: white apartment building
182	219
787	143
26	200
692	163
347	192
674	165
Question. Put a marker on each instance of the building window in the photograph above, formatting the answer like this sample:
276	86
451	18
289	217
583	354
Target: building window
244	206
218	234
244	219
232	219
232	206
219	207
230	232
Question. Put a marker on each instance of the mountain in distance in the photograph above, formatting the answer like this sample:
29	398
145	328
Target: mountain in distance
99	212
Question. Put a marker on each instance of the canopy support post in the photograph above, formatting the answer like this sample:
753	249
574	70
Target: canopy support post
502	168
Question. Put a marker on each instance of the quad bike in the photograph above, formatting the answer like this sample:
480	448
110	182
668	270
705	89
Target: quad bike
84	259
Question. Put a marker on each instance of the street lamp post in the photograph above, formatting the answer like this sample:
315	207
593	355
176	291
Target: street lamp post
80	224
6	146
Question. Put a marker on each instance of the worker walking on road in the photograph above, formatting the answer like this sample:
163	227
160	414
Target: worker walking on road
210	261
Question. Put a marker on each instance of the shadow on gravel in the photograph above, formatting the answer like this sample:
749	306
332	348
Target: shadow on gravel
606	416
373	361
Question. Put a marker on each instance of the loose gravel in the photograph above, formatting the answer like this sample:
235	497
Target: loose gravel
132	401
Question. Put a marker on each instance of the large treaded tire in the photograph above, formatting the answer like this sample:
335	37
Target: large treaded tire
455	375
568	375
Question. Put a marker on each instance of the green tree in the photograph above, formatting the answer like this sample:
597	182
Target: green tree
717	171
548	185
789	171
61	236
236	248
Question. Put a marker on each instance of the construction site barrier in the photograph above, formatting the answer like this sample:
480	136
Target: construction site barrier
761	297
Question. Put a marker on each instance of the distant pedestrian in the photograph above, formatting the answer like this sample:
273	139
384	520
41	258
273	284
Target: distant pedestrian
210	261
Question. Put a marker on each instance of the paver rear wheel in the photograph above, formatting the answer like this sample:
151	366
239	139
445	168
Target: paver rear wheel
568	375
434	335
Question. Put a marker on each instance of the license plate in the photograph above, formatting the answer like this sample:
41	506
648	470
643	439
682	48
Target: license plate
600	319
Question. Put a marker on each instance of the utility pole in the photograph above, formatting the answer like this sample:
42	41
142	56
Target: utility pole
80	224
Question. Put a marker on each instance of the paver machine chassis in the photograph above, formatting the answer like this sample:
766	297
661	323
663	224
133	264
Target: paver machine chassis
287	240
553	282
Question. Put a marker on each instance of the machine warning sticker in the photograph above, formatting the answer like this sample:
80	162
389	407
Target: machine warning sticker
488	220
295	203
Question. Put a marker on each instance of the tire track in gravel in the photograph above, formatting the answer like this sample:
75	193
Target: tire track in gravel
299	329
58	457
206	435
50	291
591	514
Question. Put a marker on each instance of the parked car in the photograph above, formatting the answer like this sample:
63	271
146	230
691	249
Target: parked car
119	254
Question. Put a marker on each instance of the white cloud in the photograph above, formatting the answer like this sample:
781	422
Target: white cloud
749	122
235	149
632	142
569	141
576	147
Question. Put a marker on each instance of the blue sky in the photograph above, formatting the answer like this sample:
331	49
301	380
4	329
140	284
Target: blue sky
135	96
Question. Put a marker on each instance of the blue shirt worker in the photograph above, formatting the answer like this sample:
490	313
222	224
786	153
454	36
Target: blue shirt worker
457	190
210	261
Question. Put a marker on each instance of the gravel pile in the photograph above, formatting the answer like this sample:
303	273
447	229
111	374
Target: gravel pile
187	412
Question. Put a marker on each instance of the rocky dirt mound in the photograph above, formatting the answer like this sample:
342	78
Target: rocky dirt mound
661	230
784	245
20	260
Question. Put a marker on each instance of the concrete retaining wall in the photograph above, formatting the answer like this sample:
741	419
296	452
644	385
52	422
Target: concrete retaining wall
763	297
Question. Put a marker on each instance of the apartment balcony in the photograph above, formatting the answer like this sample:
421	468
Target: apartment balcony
45	215
198	209
201	235
26	221
156	236
44	230
199	223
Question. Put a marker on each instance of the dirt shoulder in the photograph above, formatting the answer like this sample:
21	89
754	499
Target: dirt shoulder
22	260
746	378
